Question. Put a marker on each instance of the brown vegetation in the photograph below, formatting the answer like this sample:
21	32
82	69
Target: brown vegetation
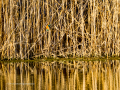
78	28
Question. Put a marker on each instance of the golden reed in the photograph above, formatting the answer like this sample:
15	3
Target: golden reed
77	28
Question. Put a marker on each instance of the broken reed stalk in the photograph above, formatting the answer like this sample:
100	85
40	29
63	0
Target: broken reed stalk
78	28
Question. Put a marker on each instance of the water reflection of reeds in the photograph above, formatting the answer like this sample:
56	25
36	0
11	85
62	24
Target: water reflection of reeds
62	75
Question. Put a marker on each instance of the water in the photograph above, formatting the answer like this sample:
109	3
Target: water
60	75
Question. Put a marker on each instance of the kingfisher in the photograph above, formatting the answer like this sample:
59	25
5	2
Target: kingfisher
48	27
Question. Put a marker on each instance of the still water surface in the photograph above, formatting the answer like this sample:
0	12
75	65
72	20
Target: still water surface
60	75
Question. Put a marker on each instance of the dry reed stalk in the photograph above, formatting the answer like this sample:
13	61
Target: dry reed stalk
82	28
21	29
0	23
38	24
27	35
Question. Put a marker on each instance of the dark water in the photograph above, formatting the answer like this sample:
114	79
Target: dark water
60	75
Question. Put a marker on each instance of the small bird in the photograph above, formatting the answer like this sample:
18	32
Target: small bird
48	27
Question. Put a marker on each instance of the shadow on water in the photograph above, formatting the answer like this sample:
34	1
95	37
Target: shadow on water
60	75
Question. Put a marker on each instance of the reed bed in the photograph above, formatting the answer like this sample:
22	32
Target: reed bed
66	75
78	28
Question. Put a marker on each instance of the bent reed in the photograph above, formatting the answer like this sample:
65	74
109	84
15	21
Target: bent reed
77	28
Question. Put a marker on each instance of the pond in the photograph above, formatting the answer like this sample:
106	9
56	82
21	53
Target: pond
60	75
